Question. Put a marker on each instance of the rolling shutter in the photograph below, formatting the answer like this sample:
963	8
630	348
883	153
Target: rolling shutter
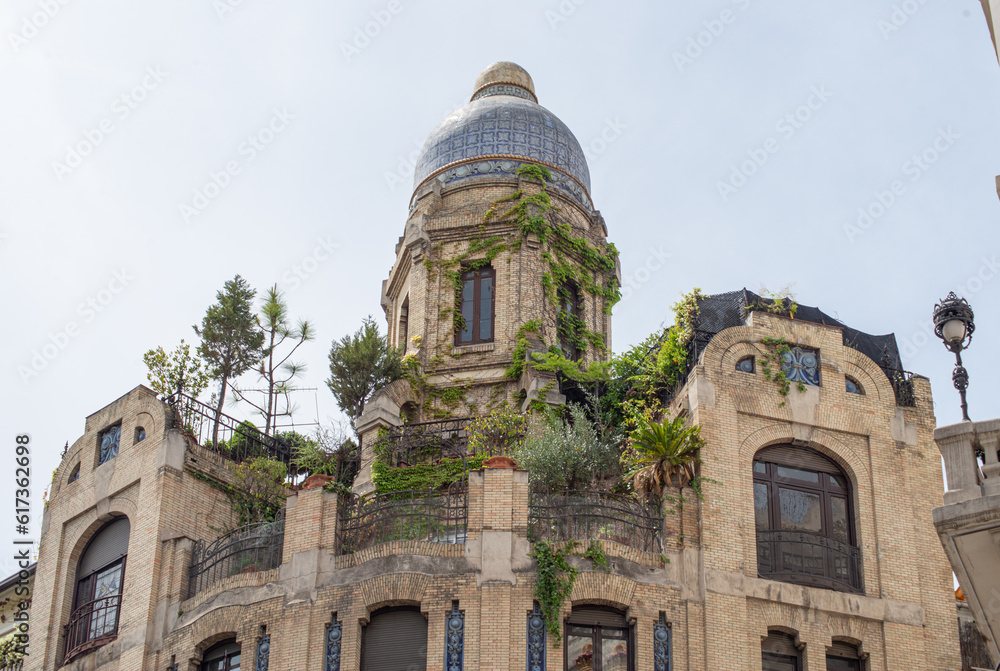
395	640
798	457
588	617
778	643
843	650
109	545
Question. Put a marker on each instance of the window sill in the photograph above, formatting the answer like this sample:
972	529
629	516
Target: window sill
466	349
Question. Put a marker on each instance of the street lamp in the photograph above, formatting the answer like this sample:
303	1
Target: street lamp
953	324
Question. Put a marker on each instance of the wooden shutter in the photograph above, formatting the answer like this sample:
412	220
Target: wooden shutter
109	545
395	640
797	457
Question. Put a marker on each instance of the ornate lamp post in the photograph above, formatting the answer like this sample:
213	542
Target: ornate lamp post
953	324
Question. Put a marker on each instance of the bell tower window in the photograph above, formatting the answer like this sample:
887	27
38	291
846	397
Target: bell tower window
476	303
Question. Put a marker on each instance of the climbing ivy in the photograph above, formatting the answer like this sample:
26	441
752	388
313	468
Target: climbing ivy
389	479
770	365
555	577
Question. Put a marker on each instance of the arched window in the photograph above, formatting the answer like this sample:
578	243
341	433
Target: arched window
569	324
97	595
404	317
852	386
224	656
395	639
804	522
746	365
476	307
74	475
778	653
598	639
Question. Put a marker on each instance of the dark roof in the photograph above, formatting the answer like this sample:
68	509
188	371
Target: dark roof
9	582
722	311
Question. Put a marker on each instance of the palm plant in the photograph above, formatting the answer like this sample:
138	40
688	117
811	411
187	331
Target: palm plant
665	451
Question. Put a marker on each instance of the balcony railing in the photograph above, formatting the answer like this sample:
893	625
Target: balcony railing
235	440
91	625
427	441
808	559
255	547
593	515
424	515
902	385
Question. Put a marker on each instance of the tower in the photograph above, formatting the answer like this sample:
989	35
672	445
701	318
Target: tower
502	255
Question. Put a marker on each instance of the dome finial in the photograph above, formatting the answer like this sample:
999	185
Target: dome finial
504	78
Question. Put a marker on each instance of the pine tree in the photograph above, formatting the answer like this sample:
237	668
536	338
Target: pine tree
361	364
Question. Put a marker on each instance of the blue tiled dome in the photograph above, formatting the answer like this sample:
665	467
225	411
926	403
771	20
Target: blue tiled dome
501	128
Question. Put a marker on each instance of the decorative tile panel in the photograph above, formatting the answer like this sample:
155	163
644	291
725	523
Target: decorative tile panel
536	639
661	645
263	653
801	365
334	638
455	640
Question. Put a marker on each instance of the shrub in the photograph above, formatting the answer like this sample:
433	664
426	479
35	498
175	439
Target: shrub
568	453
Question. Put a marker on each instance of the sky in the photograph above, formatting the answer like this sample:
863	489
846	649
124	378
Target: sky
152	151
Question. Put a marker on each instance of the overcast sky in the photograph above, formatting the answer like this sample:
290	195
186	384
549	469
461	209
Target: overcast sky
116	115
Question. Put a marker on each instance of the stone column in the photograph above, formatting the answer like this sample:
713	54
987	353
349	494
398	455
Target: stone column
380	413
962	472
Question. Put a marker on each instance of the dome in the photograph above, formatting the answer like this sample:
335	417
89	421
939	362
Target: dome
502	127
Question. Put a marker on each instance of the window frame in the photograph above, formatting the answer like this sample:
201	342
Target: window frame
827	492
477	275
597	637
570	301
221	647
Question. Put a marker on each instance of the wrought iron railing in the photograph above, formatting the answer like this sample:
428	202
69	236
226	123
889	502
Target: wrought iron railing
593	515
808	559
427	441
424	515
91	625
254	547
902	385
17	665
234	440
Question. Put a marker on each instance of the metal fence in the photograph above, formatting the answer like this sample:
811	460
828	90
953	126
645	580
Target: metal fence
594	515
411	444
902	384
254	547
424	515
233	439
806	558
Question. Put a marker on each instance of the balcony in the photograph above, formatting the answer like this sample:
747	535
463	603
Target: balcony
255	547
808	559
577	515
91	625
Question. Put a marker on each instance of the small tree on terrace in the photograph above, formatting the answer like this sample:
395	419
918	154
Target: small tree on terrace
274	369
176	372
231	339
361	364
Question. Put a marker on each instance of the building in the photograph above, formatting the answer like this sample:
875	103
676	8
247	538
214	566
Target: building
15	597
812	547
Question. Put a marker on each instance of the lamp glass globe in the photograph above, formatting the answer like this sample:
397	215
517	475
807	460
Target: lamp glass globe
954	330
